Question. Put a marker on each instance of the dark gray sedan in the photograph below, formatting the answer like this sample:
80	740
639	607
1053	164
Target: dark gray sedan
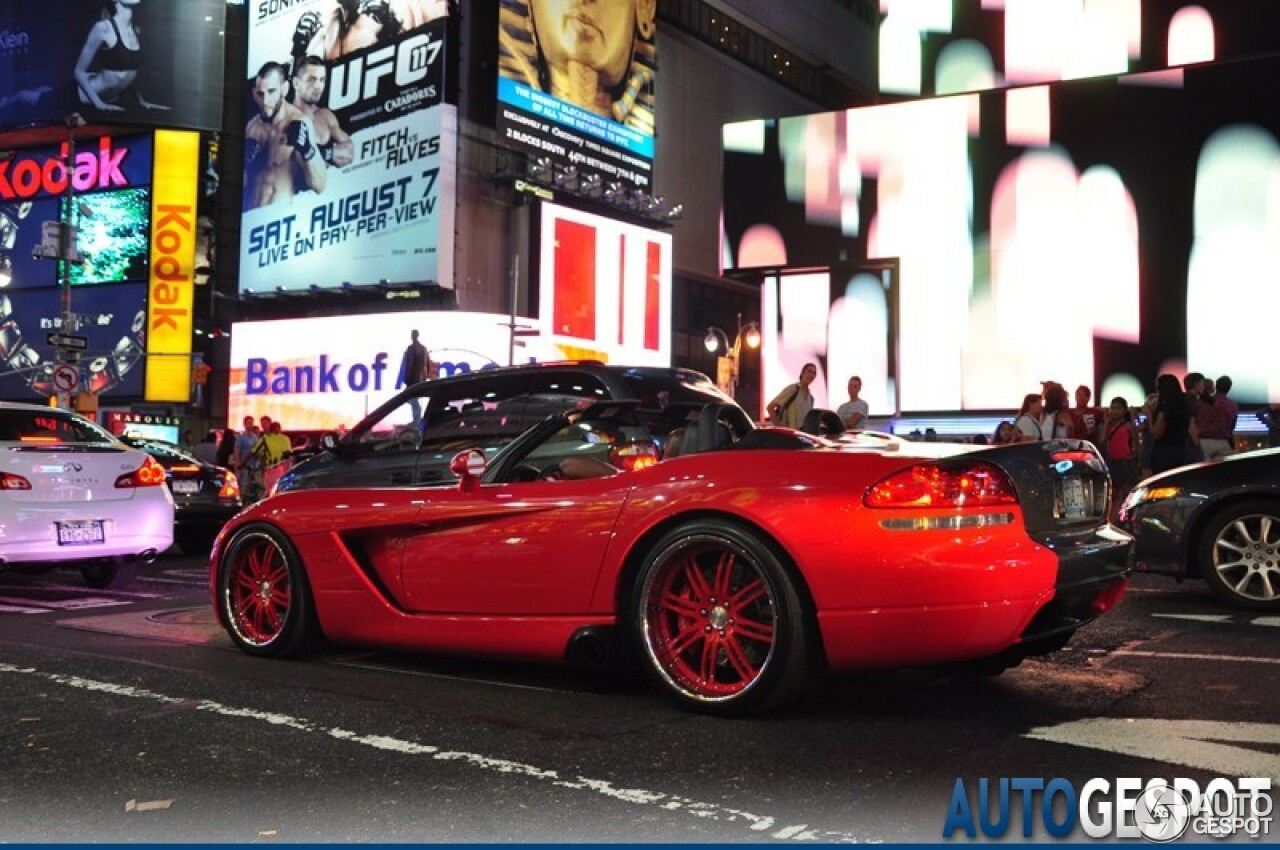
1219	521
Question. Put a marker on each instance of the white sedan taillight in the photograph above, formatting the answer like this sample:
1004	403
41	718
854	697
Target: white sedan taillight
150	474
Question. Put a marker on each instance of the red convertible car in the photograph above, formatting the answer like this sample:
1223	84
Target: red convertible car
736	563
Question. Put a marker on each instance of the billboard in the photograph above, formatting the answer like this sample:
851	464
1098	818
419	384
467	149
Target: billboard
576	84
113	321
350	153
604	288
1095	232
321	373
173	257
154	63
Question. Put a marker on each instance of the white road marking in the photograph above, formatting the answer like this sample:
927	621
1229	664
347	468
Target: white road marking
18	609
635	796
1196	656
77	604
1198	618
1190	743
1267	621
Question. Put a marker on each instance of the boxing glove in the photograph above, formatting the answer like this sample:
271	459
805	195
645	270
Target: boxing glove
297	134
305	30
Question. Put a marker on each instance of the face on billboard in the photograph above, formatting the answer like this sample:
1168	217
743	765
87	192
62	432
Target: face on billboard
268	93
577	37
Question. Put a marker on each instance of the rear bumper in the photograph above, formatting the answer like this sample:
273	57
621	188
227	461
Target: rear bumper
131	526
204	517
1093	569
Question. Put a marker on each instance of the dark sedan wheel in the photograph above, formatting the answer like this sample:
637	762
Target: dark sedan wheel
264	596
720	625
110	576
1240	555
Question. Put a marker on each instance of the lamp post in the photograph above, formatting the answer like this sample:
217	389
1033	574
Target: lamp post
727	366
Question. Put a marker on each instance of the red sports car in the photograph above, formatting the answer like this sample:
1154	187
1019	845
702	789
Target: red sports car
735	562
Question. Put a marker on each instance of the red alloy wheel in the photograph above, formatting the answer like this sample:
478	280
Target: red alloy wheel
710	620
258	590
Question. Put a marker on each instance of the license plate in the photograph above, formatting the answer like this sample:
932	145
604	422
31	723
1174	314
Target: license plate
80	532
186	487
1074	503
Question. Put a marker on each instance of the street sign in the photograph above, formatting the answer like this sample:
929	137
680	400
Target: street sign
66	378
72	341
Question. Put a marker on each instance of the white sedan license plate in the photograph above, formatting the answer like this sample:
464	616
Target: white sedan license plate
80	532
1074	504
186	487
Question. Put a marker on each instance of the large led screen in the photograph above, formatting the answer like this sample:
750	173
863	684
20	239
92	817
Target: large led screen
1096	232
576	84
323	373
350	153
113	320
604	288
952	46
156	63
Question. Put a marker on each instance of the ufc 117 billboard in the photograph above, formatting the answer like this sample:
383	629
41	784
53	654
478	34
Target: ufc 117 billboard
350	151
576	84
157	63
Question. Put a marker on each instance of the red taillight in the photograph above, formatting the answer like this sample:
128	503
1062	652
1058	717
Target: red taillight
150	474
1074	456
634	457
230	486
943	486
184	468
9	481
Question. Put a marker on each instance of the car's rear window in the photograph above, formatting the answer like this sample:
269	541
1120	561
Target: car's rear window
53	426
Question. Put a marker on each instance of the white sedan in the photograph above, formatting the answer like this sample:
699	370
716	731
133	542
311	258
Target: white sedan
71	494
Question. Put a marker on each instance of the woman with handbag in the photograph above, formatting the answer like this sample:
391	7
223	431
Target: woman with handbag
795	401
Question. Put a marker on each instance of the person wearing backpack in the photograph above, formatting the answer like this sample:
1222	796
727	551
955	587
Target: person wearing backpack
790	406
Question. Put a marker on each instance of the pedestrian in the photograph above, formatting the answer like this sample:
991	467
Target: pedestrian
1173	427
1028	419
1270	417
1057	422
207	449
226	448
1120	446
1228	414
246	463
790	406
1006	432
853	413
1087	420
413	370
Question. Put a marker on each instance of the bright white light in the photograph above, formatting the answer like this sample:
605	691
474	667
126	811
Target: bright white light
1191	36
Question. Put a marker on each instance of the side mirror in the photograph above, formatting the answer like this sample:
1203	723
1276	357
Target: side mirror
469	466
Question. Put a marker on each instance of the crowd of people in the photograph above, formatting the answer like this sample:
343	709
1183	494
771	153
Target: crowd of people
258	454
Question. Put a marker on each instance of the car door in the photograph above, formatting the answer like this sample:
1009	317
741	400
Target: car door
512	549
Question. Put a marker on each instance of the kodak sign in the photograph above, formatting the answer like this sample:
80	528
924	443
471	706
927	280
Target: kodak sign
173	256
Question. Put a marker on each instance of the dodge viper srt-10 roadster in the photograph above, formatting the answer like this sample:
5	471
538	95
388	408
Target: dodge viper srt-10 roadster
735	563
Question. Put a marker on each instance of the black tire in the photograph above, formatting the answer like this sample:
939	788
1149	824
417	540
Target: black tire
1239	555
109	576
264	598
676	622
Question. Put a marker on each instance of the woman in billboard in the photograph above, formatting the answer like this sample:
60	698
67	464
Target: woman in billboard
107	69
598	55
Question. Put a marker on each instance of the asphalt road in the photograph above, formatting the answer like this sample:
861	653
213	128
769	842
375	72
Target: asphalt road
130	717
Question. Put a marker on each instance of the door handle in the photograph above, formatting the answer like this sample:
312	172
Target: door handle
401	477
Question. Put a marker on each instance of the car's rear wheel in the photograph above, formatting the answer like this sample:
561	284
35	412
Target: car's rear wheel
110	576
264	596
719	622
1240	555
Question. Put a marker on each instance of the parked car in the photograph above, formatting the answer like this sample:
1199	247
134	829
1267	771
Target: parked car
394	447
1217	521
73	495
205	496
737	567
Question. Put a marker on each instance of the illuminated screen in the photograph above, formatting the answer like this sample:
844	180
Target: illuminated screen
951	46
317	374
366	193
1129	229
604	288
114	238
142	431
583	100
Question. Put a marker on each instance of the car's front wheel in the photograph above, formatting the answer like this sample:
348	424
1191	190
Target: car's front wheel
1240	555
719	622
264	596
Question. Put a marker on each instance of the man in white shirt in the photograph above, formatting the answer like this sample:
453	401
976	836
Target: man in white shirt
854	411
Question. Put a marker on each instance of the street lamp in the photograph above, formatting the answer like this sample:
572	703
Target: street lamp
727	365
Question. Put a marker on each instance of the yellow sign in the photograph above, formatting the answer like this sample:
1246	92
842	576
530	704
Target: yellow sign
173	258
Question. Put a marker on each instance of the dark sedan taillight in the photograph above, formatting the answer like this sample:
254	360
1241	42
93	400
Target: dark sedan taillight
951	485
230	490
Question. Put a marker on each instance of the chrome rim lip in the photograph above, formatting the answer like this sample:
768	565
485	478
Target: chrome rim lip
695	542
1254	559
253	538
